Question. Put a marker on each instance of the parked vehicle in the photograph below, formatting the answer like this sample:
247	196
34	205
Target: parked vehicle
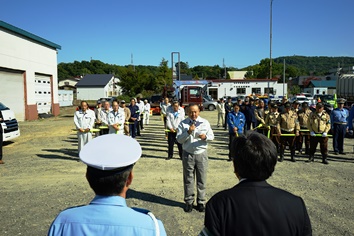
299	98
209	103
9	123
345	85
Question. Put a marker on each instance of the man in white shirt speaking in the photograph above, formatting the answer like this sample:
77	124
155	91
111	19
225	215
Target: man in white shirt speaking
193	133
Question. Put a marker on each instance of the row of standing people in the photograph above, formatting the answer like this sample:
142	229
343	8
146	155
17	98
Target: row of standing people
115	119
285	127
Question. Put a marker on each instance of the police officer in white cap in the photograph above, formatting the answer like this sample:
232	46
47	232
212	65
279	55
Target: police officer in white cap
109	175
84	120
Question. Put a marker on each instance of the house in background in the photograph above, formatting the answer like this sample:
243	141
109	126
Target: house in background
321	87
96	86
68	84
28	73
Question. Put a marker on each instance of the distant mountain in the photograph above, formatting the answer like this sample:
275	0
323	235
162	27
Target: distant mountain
316	65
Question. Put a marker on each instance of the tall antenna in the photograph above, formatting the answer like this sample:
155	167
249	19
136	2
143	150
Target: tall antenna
132	61
223	63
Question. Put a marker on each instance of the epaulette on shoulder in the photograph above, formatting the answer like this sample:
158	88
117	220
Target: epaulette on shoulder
141	210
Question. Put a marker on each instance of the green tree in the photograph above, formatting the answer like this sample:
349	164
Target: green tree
295	89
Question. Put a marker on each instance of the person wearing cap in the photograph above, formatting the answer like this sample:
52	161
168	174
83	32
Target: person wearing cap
296	106
319	123
220	107
236	121
193	133
288	124
116	119
146	112
281	105
271	122
110	177
140	125
260	113
339	125
104	116
173	119
228	109
134	116
126	116
84	119
303	115
252	206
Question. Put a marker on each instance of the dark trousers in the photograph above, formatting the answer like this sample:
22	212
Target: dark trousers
274	138
338	137
248	125
323	145
141	122
290	140
171	142
225	126
300	140
132	128
1	137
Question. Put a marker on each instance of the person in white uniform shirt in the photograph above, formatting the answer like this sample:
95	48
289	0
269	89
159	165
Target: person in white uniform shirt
104	116
116	119
140	125
193	133
173	119
146	112
84	120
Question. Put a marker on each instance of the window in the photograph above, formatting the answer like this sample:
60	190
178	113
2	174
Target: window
270	91
256	90
66	83
241	90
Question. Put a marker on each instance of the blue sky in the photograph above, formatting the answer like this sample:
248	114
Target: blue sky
203	31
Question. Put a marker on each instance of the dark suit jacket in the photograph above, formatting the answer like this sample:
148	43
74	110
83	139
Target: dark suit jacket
256	208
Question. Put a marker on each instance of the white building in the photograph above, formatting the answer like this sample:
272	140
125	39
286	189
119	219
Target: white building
96	86
245	87
65	98
28	73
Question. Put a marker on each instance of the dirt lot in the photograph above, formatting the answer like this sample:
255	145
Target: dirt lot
42	176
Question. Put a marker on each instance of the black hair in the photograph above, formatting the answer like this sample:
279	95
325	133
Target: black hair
254	156
107	183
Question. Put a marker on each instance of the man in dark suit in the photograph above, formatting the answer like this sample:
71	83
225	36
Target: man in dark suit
253	207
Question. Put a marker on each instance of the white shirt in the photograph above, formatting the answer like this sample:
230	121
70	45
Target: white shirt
104	115
116	118
191	143
146	108
164	108
174	118
84	120
220	107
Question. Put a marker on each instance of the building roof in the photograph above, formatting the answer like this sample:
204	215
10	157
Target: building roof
28	35
323	83
95	80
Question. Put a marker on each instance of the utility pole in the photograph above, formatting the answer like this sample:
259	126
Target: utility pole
223	63
284	79
270	41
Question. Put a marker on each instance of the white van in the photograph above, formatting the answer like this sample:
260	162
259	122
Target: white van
9	123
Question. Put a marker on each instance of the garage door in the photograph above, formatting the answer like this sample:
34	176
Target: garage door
43	93
12	92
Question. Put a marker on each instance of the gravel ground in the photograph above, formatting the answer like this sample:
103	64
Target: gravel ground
42	177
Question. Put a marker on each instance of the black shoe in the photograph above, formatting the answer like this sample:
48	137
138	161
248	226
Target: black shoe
169	157
343	153
335	153
281	158
230	159
324	161
311	159
200	207
293	159
188	207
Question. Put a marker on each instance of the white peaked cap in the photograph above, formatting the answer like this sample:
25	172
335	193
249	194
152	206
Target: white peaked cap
111	151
